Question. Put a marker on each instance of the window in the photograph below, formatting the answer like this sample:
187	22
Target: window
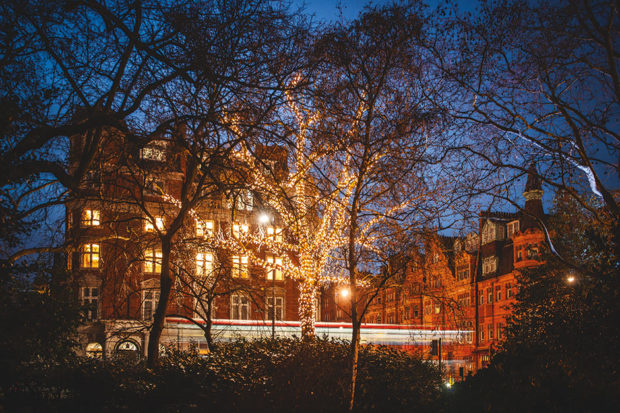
91	218
150	298
204	228
154	151
490	331
279	308
276	264
500	330
242	200
508	291
481	297
462	272
90	256
274	233
481	334
489	265
317	309
520	254
240	266
390	318
488	232
239	229
489	295
159	223
512	228
463	300
89	296
152	260
204	264
94	350
239	307
498	293
415	312
246	200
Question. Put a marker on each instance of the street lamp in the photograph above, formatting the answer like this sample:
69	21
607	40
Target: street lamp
264	219
344	292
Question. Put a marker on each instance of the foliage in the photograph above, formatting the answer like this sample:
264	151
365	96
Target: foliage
279	375
38	320
562	346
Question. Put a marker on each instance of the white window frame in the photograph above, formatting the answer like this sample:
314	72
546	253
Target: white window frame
239	307
274	261
279	309
512	228
150	299
489	265
89	296
274	233
204	263
240	266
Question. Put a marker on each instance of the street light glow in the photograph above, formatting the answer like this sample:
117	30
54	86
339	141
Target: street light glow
263	218
570	279
344	292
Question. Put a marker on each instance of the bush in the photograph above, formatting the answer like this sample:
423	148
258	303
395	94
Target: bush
269	375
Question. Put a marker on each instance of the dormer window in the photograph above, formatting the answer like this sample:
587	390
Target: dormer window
154	151
492	231
512	228
489	265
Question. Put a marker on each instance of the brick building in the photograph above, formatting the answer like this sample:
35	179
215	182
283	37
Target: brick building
467	284
115	229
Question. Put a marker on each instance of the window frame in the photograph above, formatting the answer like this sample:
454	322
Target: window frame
87	258
90	218
239	306
240	266
152	260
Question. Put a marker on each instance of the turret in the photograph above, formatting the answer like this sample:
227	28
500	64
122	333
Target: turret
533	199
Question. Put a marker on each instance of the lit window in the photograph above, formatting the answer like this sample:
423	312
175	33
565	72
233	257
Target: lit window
276	264
279	308
154	151
274	233
239	229
240	266
91	218
239	307
94	350
488	233
90	256
152	260
89	296
204	263
437	308
150	298
204	228
159	223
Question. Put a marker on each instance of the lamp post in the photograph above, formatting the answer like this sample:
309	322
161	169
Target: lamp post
265	219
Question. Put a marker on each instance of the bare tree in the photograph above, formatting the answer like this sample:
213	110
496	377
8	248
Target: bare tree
538	82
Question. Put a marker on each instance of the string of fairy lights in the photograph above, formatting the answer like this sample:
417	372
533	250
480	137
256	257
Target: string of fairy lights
316	237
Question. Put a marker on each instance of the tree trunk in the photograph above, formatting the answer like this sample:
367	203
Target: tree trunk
307	294
208	327
165	284
355	350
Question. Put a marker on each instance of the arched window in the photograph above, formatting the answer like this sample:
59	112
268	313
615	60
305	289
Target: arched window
128	349
94	350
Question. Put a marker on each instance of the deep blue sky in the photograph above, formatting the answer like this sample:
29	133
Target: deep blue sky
327	10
